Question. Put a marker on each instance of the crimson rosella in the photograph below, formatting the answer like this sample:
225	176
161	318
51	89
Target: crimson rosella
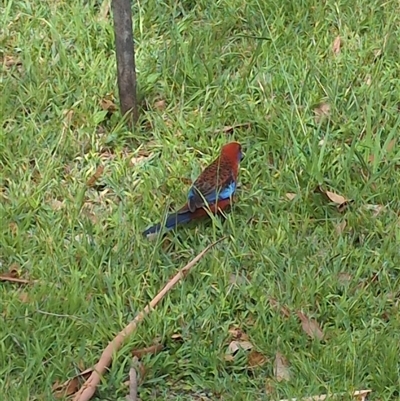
211	192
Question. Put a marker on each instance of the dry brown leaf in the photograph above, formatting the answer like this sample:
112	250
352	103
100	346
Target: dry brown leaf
23	297
290	195
153	349
177	337
344	278
376	209
256	359
284	310
108	105
310	326
71	386
339	228
335	198
56	204
336	45
104	10
13	226
13	271
11	61
238	334
322	112
13	275
377	53
269	386
230	128
160	105
281	368
235	346
237	279
360	395
68	116
94	178
137	160
391	144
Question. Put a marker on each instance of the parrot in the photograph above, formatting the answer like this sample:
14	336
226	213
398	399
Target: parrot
211	192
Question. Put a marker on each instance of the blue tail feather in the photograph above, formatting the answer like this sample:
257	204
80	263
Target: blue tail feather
172	221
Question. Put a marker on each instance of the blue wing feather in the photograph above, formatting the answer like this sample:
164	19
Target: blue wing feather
224	193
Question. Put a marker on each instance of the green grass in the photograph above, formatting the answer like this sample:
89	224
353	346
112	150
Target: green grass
214	64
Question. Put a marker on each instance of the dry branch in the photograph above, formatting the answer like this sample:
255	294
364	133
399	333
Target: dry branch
16	280
86	392
133	381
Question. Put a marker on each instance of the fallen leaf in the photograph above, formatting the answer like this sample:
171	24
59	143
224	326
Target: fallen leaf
377	53
391	144
376	209
237	279
235	346
160	105
71	386
108	105
97	174
256	359
290	195
56	204
104	10
360	395
153	349
368	79
177	337
13	271
230	128
68	115
344	278
13	275
281	368
336	45
335	198
284	310
322	112
13	227
270	386
339	228
11	61
238	334
310	326
23	297
137	160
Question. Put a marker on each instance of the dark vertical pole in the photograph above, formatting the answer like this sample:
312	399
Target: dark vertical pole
125	50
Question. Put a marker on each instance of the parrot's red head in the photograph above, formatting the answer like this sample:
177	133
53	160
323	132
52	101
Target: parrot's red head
233	151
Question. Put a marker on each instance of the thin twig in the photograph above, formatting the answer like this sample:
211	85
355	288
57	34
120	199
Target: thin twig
16	280
230	128
133	381
55	314
153	349
86	392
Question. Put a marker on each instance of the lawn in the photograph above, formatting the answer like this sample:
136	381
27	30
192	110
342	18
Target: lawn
316	86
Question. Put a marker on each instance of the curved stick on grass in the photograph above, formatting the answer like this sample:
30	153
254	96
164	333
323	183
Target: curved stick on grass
86	392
